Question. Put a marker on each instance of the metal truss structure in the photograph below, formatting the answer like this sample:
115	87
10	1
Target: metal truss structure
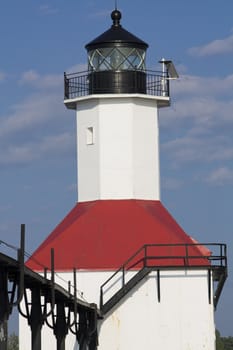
45	303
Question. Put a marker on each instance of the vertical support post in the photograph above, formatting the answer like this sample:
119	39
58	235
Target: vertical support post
82	331
61	328
75	302
36	320
158	286
168	85
209	286
164	78
93	335
4	308
21	266
52	279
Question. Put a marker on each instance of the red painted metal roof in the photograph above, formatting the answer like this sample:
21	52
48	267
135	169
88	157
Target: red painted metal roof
102	235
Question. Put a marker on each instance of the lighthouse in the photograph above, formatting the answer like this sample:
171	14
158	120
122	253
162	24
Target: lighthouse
154	285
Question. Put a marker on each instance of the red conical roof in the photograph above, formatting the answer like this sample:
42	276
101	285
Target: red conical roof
102	235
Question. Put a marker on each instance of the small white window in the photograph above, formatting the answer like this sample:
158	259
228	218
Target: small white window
90	135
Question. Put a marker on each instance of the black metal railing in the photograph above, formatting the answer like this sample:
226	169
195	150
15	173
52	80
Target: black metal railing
211	256
87	83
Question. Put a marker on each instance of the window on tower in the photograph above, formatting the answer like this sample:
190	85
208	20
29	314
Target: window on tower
90	135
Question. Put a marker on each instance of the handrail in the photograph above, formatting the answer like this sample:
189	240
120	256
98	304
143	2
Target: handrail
84	72
201	256
196	255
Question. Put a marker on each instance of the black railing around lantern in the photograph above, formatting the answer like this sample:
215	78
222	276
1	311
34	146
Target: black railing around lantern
106	82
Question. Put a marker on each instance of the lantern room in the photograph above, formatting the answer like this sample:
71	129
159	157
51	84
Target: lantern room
117	65
116	61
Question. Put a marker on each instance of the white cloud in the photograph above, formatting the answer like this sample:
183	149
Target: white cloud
184	149
17	155
35	110
46	9
81	67
199	86
220	176
36	127
53	145
204	103
171	183
2	76
195	148
29	76
5	208
32	78
215	47
58	143
103	13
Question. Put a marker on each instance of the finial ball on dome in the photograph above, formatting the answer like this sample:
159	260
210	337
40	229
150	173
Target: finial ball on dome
116	17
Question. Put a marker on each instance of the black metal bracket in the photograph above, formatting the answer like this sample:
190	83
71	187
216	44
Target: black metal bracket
84	324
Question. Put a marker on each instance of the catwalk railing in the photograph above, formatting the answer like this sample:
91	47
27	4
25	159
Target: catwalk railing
209	256
85	83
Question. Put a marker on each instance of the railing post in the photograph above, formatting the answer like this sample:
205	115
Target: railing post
65	86
168	85
186	255
225	254
123	276
101	298
209	285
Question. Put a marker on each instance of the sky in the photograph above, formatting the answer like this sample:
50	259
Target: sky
42	39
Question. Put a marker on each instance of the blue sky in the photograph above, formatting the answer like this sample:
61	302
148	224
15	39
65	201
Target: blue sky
42	39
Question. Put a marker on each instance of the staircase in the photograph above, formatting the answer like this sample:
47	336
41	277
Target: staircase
159	257
125	289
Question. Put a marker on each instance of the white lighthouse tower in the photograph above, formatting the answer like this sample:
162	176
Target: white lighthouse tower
155	287
117	122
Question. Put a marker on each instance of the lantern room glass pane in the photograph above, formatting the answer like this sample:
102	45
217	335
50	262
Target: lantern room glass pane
116	58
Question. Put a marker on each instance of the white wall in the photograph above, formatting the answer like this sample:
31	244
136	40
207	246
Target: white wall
182	320
123	161
88	166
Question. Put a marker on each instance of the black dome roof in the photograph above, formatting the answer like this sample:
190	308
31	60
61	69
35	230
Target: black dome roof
116	35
